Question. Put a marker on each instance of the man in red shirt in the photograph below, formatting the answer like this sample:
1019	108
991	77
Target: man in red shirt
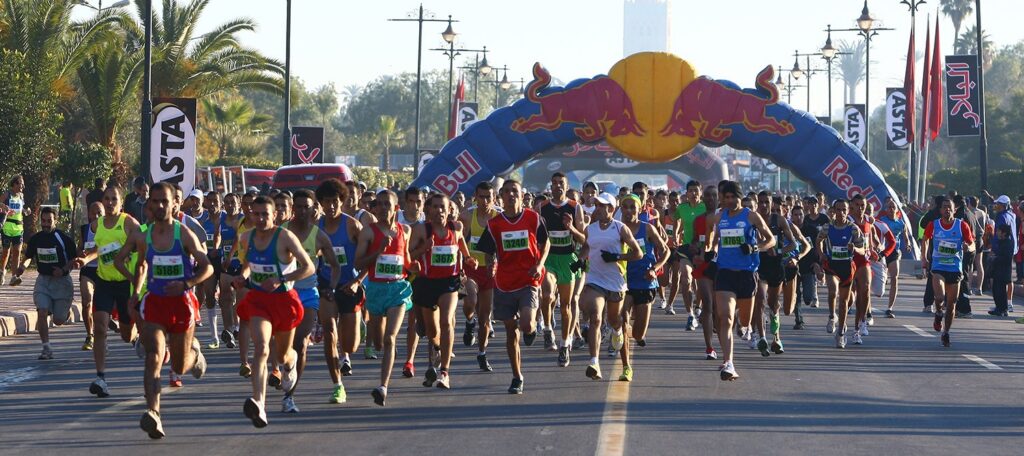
944	244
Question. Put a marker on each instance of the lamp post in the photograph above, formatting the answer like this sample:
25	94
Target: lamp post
419	19
798	72
286	134
866	28
829	53
449	37
787	87
499	85
479	68
983	134
147	89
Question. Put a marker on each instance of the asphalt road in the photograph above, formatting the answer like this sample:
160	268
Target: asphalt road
900	393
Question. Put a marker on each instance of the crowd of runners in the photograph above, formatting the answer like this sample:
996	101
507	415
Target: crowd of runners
272	275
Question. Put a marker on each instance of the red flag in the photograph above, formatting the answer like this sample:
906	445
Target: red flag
460	95
926	83
935	91
908	89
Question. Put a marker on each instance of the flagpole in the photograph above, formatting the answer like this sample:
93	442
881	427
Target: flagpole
983	134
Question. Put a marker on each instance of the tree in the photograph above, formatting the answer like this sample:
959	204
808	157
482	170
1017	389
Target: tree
110	79
851	68
83	163
967	43
388	135
325	103
957	10
234	124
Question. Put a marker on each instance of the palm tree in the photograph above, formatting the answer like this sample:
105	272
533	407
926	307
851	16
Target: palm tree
957	10
234	124
110	80
389	135
325	102
197	66
967	43
851	68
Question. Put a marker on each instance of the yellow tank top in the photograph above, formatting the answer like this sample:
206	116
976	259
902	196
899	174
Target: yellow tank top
108	243
475	231
238	237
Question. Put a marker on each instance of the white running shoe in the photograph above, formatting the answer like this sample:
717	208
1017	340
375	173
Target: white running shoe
746	333
830	327
140	350
753	342
728	372
662	304
99	388
618	340
289	375
199	366
288	405
840	340
857	340
863	329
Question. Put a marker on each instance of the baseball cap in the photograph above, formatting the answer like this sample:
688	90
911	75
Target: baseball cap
606	198
1003	199
196	193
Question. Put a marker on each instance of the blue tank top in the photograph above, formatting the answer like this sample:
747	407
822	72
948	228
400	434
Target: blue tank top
896	226
166	266
228	234
344	250
264	264
636	271
734	231
207	222
947	247
837	247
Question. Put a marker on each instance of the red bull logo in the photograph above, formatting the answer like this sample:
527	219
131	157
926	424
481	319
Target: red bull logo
705	107
600	106
449	183
838	172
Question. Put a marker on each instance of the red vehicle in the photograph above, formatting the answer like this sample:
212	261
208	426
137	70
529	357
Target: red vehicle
257	177
295	177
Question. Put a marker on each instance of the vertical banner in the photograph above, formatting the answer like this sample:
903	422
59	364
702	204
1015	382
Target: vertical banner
236	179
962	99
896	134
307	145
219	177
854	130
173	145
468	114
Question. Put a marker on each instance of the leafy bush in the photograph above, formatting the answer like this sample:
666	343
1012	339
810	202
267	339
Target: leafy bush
82	163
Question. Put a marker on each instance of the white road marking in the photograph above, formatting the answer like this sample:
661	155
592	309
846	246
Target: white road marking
983	362
15	376
611	439
919	331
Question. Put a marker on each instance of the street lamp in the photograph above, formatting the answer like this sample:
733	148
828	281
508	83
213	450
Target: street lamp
99	6
478	68
484	68
286	134
499	85
147	91
829	53
865	21
449	36
797	72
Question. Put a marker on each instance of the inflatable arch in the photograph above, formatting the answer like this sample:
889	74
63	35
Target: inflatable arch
653	108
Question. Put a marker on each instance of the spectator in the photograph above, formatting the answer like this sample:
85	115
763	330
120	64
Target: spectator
95	194
1001	264
136	201
1004	217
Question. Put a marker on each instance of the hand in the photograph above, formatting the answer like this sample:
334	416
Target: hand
350	288
771	252
175	288
328	294
609	257
386	241
578	265
428	243
415	268
77	263
709	256
792	263
535	271
567	220
924	264
472	263
270	284
651	274
238	283
133	303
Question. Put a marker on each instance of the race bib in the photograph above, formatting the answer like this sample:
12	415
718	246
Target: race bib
560	238
109	252
339	252
642	243
168	267
473	241
389	267
227	249
89	245
512	241
732	237
261	272
443	255
840	253
209	240
670	229
948	248
48	256
702	238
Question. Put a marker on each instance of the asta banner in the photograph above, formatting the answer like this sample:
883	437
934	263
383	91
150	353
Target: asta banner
854	130
962	100
307	145
896	119
468	115
173	144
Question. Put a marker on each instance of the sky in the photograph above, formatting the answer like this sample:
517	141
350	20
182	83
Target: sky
352	42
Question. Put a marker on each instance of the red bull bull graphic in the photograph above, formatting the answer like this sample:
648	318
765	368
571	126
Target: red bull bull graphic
653	108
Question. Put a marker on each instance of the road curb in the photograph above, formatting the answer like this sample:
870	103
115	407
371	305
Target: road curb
13	322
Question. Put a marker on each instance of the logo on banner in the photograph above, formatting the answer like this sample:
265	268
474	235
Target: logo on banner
173	143
307	145
895	119
468	115
962	92
855	130
838	173
468	167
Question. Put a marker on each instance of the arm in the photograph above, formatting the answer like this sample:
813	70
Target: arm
203	270
408	257
364	258
545	247
326	250
464	250
136	243
660	249
969	244
859	245
711	223
575	224
787	231
633	250
766	241
420	241
292	246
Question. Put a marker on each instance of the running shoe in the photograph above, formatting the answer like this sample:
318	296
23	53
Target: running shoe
997	313
830	327
346	368
710	354
689	323
469	335
380	394
594	371
490	332
611	349
528	338
443	381
369	353
927	309
15	281
945	339
762	346
485	366
289	375
642	342
661	302
430	377
244	370
99	387
857	340
318	334
150	423
840	339
338	396
87	345
288	405
753	341
1009	307
627	374
579	343
140	349
774	324
517	386
889	314
254	411
799	325
174	381
777	347
966	315
113	325
870	319
670	310
563	356
747	333
409	371
274	379
213	345
618	340
728	372
814	305
46	354
199	365
864	329
937	324
549	340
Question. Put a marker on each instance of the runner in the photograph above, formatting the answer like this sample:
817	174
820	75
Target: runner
113	289
87	277
519	259
669	281
480	283
945	241
382	250
862	279
13	205
206	210
316	243
837	243
893	219
772	273
274	258
233	268
704	270
226	225
411	215
169	307
340	316
440	248
738	234
53	251
641	280
807	265
563	219
685	214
